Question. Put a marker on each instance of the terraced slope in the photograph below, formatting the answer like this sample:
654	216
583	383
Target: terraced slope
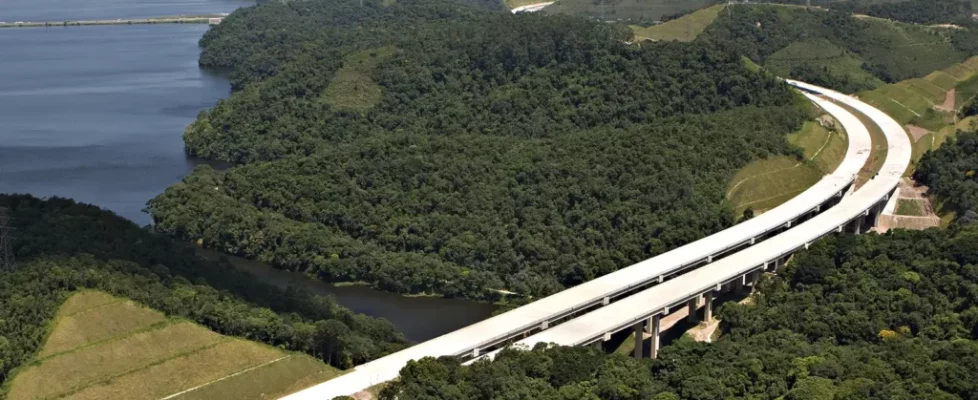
928	106
104	347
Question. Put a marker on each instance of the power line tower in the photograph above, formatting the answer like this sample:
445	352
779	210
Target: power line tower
6	253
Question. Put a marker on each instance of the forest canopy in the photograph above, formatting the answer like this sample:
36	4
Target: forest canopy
855	317
951	174
62	246
470	150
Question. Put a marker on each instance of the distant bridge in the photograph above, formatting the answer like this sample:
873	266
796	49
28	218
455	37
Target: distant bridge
212	19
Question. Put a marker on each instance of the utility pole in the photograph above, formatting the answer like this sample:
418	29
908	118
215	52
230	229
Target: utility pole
6	253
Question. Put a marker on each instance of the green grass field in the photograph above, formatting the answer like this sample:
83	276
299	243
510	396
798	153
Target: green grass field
626	10
942	80
352	89
765	184
913	102
910	207
153	357
683	29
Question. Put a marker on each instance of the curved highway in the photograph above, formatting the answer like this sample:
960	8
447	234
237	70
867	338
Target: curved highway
602	293
658	300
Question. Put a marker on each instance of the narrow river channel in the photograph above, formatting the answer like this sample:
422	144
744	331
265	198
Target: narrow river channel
97	114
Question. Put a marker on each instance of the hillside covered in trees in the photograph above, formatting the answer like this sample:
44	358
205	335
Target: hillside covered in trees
951	173
835	49
62	246
855	317
462	150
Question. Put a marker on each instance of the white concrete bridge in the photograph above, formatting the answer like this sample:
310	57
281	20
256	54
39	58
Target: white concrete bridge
636	297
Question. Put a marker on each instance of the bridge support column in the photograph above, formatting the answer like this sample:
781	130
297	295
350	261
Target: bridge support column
639	338
858	224
738	284
708	306
598	344
654	340
691	305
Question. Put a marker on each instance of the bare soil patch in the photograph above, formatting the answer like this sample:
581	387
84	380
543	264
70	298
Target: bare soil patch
917	132
948	105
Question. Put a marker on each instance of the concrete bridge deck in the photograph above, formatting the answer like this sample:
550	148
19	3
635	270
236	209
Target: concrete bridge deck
489	335
643	311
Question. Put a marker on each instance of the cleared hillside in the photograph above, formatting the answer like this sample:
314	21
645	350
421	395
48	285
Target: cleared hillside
929	106
835	49
627	10
105	347
683	29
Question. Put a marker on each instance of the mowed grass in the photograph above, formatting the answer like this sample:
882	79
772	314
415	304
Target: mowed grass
352	89
170	358
85	300
271	381
913	101
683	29
942	80
186	371
98	323
765	184
911	207
109	360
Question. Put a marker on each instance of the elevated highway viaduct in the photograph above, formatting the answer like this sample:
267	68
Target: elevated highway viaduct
632	286
643	311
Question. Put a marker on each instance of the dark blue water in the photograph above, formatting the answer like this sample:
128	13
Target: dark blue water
61	10
97	113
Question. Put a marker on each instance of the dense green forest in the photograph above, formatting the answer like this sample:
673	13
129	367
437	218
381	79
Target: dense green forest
951	173
835	49
484	151
855	317
62	246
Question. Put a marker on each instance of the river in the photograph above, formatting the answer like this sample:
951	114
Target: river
97	114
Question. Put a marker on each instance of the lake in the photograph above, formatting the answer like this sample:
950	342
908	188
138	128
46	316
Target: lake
97	114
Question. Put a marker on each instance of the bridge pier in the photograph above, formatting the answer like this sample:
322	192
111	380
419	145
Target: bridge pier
708	307
691	305
656	323
639	338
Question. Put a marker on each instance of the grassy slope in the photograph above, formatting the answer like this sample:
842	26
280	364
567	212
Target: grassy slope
351	88
133	352
820	53
626	10
683	29
765	184
912	102
909	207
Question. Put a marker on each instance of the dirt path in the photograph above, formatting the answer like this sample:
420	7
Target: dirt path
948	105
